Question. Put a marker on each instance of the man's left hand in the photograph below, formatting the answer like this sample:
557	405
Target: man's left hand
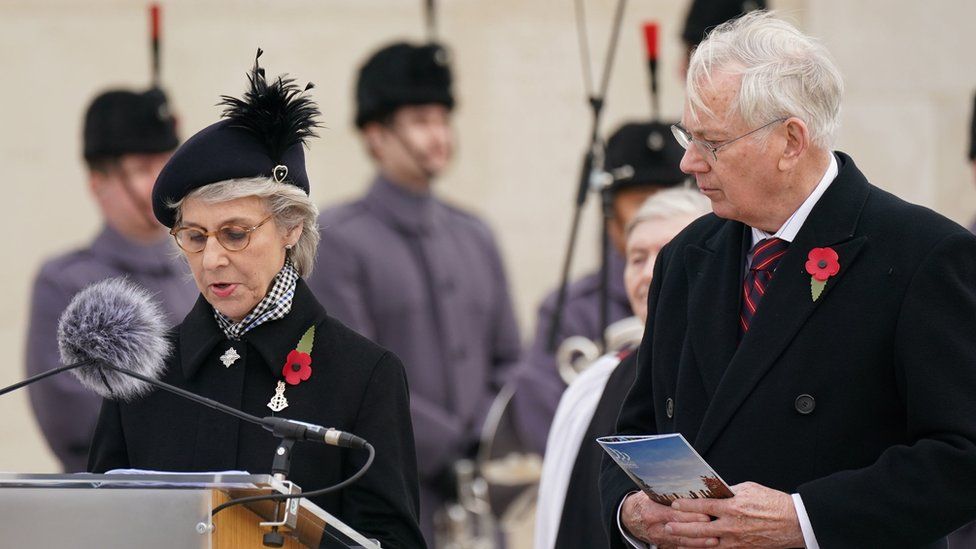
756	517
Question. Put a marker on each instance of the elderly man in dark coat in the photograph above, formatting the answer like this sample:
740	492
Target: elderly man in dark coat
813	339
128	136
414	274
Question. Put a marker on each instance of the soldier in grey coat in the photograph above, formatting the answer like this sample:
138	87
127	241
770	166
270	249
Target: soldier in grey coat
416	275
642	158
127	139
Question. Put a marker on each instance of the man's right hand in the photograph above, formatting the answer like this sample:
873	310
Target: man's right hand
645	519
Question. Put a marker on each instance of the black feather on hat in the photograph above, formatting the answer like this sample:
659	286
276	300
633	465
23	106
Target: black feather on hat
278	115
262	135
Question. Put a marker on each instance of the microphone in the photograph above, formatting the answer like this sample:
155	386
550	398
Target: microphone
301	430
117	322
114	322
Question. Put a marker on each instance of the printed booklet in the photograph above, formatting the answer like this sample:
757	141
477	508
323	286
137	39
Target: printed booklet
665	467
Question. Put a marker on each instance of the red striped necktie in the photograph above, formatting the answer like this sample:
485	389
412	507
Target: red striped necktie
765	257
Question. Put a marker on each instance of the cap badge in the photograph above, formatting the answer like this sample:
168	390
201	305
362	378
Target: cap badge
655	141
280	172
441	57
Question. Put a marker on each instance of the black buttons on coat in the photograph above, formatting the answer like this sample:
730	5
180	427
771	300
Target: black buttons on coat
805	404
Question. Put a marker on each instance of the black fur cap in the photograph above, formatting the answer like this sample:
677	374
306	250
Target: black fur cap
402	74
644	154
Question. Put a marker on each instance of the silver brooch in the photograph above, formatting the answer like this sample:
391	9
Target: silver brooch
278	402
229	357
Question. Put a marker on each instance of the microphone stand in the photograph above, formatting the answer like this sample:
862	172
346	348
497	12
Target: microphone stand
154	41
430	19
42	375
591	178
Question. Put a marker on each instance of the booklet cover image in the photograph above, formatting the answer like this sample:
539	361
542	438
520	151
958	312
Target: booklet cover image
665	467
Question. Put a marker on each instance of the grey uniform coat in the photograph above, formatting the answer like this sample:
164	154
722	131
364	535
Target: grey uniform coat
426	281
539	385
65	410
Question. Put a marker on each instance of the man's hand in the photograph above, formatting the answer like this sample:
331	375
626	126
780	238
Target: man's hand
756	517
645	520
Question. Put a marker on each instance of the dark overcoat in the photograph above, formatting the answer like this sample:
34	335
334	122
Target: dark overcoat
355	386
863	401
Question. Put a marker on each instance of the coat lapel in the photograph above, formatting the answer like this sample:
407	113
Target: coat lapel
715	274
788	302
267	338
216	434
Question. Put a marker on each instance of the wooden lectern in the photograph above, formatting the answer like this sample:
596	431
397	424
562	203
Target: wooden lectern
149	511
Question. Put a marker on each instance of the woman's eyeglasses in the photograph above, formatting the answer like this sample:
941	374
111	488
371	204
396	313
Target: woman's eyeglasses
233	238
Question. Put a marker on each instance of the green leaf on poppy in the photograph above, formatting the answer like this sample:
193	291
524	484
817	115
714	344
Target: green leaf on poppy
817	287
305	344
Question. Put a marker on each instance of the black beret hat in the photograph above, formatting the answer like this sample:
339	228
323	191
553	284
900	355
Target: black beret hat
644	154
402	74
124	122
262	135
703	15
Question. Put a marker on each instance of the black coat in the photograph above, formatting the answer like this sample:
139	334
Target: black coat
355	386
863	402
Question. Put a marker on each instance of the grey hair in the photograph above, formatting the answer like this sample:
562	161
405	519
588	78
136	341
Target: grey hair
670	203
784	73
289	205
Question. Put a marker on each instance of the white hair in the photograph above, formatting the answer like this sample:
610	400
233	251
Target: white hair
783	73
673	202
289	205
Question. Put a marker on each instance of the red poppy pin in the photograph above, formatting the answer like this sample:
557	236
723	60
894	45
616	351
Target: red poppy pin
821	264
298	365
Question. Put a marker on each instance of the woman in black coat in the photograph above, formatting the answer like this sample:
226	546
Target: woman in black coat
236	198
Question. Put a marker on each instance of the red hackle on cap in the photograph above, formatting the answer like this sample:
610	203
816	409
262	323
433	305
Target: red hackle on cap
154	21
650	40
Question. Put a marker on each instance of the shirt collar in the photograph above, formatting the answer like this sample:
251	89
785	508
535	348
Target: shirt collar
408	211
199	333
275	305
792	226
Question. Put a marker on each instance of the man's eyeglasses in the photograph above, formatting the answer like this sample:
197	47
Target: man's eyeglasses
685	139
233	238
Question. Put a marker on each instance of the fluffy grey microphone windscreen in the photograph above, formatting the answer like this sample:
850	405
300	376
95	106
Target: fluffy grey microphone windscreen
114	322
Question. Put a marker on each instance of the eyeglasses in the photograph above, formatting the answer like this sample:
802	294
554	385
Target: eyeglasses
685	138
233	238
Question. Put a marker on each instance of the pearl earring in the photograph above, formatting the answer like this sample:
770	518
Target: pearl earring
288	246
